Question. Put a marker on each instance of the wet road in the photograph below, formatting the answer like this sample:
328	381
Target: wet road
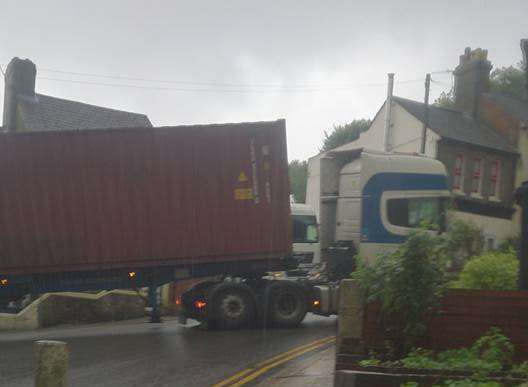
141	354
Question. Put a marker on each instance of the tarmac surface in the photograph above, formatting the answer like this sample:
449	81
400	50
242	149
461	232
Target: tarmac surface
136	353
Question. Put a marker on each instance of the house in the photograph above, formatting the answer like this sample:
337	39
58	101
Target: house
26	110
482	142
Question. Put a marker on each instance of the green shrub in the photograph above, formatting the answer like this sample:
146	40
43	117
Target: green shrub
511	245
464	240
490	271
490	353
408	282
520	370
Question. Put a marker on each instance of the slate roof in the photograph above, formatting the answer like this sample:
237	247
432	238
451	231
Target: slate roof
512	105
44	112
456	125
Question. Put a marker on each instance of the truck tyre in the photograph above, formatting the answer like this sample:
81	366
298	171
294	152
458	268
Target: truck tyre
287	305
232	309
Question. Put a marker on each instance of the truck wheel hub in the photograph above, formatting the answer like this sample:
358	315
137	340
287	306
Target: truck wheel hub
233	306
287	304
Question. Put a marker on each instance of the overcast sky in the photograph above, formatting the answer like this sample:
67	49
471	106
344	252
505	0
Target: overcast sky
314	63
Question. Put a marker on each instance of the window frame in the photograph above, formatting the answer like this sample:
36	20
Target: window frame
495	179
477	174
458	172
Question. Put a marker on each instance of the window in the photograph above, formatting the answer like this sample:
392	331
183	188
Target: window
417	212
458	173
495	178
304	229
476	183
490	243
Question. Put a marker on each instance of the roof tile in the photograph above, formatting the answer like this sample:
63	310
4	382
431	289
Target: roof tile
456	125
50	113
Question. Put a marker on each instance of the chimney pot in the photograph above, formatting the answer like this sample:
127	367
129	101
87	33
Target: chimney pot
20	75
471	79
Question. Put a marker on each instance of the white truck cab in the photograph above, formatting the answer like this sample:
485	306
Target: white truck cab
306	248
372	200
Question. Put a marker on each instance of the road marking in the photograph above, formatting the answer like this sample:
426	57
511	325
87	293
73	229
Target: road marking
299	348
234	378
242	377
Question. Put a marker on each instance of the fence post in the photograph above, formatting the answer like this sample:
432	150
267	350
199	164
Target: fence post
351	318
51	363
521	196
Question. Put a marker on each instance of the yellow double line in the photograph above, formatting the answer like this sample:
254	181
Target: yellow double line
249	374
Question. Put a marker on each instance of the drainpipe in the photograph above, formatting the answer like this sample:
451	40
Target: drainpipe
388	109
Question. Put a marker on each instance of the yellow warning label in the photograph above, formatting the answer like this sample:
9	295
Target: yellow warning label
242	178
243	194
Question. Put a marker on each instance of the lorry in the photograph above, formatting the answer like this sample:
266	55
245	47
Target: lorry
141	207
306	248
367	203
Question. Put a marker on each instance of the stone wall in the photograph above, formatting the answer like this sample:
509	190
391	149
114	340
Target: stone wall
75	308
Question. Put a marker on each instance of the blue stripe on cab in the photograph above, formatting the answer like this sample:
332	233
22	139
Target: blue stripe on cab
372	230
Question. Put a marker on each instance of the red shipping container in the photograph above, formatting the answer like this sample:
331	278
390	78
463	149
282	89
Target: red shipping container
123	198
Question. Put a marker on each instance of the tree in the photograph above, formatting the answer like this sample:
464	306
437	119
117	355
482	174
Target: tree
506	80
446	99
343	134
298	171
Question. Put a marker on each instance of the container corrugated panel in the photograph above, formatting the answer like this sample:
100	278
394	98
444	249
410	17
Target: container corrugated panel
101	199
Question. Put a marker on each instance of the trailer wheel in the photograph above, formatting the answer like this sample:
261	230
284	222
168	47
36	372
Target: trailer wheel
287	305
232	308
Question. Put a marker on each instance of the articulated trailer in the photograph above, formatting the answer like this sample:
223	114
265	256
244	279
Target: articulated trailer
141	207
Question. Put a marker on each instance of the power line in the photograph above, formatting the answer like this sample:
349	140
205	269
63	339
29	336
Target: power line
220	84
440	83
447	71
228	90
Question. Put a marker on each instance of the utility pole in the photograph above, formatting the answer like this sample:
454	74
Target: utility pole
388	108
524	49
426	112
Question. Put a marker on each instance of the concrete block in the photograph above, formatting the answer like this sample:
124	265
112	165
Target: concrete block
351	318
51	363
24	320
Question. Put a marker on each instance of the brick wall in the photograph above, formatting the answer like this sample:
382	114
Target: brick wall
497	118
463	317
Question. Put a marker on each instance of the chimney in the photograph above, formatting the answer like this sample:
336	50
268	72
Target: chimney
524	48
472	78
19	82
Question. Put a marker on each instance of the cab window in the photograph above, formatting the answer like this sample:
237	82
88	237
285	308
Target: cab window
305	229
417	213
